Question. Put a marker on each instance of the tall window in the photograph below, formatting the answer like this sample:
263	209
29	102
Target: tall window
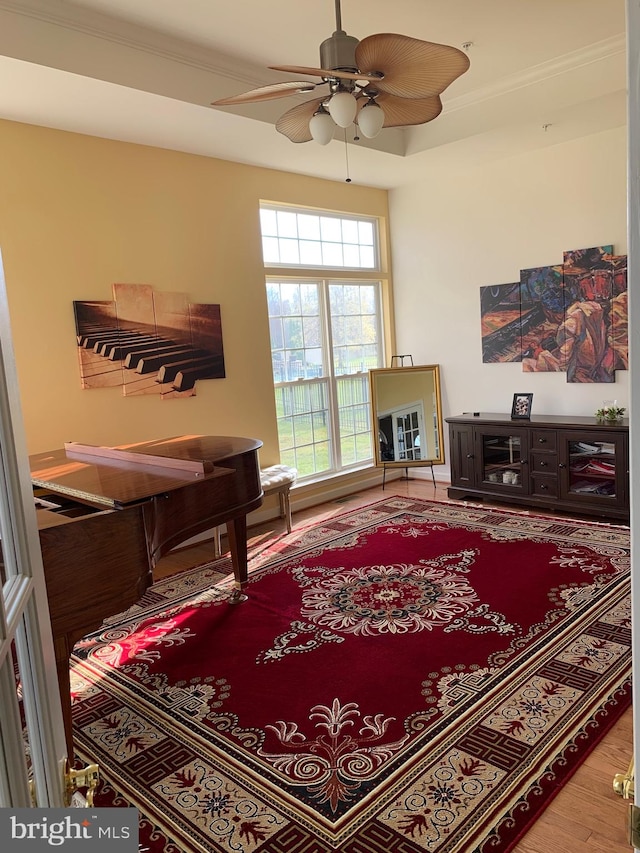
326	333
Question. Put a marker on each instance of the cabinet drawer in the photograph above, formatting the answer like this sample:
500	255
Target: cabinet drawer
543	439
544	463
544	486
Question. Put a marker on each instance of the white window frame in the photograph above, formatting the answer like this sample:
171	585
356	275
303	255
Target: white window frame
324	277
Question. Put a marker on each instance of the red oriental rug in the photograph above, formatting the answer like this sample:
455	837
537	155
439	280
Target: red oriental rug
410	676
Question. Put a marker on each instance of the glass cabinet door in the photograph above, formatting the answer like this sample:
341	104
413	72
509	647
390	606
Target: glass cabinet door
593	468
503	459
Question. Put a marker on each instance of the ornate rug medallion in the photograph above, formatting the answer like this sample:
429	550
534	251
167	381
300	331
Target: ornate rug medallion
398	598
413	676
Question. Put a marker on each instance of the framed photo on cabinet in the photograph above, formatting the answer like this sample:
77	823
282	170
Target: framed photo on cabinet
521	407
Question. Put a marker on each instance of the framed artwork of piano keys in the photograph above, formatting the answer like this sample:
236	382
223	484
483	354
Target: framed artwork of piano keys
148	342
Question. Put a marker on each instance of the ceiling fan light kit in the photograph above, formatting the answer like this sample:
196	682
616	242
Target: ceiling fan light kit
371	119
321	127
343	108
385	80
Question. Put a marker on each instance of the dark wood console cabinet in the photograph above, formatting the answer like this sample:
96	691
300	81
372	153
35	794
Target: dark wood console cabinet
557	462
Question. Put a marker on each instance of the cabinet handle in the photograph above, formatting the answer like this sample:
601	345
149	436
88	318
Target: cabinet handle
524	461
542	441
543	486
469	455
562	465
544	464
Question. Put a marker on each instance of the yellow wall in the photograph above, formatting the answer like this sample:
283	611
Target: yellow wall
79	213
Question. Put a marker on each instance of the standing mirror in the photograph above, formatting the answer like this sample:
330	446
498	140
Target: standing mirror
406	416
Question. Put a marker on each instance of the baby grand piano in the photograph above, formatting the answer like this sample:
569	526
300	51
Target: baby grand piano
111	513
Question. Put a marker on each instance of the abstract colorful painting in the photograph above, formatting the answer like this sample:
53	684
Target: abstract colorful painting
595	331
501	328
573	317
148	342
542	305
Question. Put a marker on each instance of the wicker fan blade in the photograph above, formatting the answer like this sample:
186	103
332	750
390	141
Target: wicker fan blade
402	112
266	93
325	72
294	124
412	68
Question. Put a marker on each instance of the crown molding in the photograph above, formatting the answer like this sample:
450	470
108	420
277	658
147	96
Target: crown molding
88	22
601	51
133	36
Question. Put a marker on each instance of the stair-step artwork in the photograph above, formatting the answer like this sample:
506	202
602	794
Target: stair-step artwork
148	342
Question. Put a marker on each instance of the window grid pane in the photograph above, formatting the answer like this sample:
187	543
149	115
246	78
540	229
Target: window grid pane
268	222
270	251
355	419
290	238
354	328
310	253
289	251
303	426
295	328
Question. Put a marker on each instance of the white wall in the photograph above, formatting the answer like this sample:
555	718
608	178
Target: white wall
453	232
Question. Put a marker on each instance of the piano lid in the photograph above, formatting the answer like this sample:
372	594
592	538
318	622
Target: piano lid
119	482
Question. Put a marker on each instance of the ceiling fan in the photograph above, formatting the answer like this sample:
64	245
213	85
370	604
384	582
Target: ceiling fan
385	80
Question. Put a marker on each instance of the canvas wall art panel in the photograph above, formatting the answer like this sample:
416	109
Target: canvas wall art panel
542	306
585	333
149	342
619	328
501	329
97	322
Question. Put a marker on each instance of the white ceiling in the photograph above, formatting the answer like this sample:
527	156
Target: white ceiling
146	71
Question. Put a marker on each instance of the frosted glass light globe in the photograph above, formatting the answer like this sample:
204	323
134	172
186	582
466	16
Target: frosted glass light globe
322	128
343	108
370	120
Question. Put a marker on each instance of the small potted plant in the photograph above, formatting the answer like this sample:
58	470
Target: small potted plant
610	413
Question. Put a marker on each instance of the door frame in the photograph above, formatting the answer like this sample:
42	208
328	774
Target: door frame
26	642
633	275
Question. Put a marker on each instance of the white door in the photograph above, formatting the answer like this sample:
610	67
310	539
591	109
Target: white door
408	433
32	741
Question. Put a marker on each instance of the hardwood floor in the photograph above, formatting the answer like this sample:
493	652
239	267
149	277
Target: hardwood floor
586	816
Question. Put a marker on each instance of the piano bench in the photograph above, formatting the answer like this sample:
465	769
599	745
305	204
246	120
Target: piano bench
277	479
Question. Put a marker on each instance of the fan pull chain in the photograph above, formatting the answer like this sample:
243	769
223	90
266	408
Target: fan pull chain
346	157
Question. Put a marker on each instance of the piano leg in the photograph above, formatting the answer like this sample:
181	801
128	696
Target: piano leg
237	534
